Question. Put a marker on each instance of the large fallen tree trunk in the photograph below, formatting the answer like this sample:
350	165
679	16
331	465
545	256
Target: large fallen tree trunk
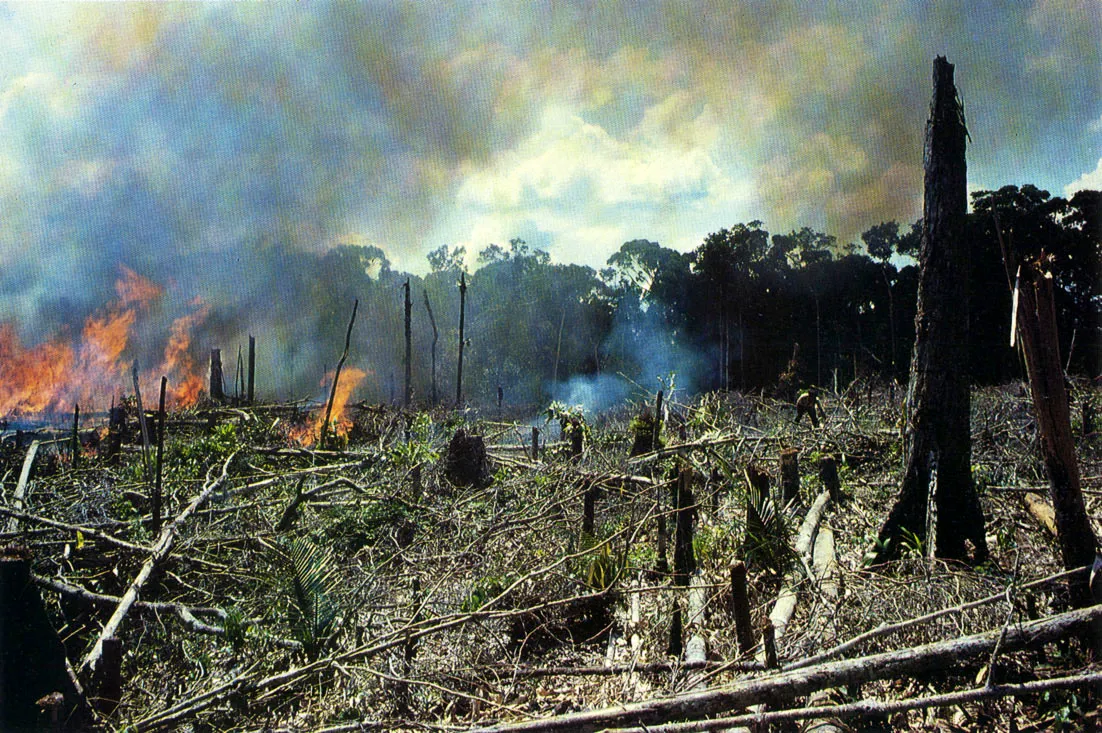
780	689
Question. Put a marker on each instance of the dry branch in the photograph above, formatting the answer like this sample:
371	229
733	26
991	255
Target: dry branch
21	488
161	550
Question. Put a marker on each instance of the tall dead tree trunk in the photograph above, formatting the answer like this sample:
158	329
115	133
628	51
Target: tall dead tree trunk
409	350
217	393
435	337
462	318
1036	322
938	394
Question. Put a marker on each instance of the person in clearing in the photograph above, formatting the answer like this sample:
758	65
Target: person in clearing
808	403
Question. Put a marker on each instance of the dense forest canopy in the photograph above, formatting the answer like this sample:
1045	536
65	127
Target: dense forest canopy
730	314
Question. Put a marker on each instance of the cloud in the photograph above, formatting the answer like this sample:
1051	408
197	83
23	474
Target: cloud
1091	180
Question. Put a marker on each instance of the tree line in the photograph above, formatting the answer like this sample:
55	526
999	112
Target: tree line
743	310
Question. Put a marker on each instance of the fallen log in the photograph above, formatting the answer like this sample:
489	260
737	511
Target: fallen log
877	708
780	688
1042	511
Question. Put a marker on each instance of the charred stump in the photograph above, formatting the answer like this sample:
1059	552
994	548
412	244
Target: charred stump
466	463
32	657
217	392
938	396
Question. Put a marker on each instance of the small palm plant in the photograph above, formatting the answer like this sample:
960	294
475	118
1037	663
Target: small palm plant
314	583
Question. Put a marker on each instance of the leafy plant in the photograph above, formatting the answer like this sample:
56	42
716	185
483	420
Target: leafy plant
314	583
768	530
912	544
598	568
236	628
483	591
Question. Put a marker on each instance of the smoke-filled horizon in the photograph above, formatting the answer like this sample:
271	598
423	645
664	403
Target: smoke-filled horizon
220	150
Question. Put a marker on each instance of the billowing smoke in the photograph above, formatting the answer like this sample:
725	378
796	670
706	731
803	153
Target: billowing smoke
221	150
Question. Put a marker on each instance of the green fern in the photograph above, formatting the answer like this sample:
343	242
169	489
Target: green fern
314	584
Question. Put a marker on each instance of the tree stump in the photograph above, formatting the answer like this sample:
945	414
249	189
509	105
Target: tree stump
790	476
32	657
466	463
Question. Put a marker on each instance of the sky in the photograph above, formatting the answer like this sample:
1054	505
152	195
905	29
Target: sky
152	135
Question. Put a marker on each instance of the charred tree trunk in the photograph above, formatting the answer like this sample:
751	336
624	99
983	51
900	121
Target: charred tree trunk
462	316
217	394
250	393
938	392
32	657
324	437
435	337
409	350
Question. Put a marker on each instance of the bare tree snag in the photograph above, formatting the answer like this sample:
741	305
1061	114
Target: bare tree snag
217	394
159	463
408	395
462	321
75	450
250	387
535	443
1037	330
938	394
684	562
323	438
435	338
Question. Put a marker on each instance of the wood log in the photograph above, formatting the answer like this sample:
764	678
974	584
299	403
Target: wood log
1041	510
20	495
779	689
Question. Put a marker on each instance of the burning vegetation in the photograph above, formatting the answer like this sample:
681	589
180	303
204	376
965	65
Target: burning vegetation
687	560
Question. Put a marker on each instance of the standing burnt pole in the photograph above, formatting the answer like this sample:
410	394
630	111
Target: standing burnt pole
323	438
462	315
435	337
250	394
409	351
938	397
216	392
1036	326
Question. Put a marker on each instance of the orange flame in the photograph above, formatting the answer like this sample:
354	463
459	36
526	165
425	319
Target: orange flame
56	373
340	422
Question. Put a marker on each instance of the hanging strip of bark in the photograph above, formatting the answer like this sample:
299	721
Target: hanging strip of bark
337	375
781	688
161	550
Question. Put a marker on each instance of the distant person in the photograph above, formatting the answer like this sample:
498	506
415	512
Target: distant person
808	403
